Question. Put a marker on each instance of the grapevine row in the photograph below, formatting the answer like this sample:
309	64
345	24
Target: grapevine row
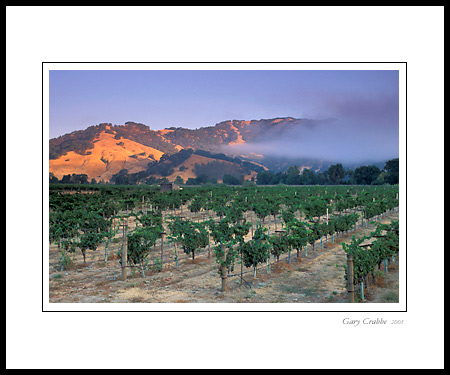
83	221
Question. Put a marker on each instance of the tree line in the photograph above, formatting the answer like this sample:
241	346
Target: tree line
336	174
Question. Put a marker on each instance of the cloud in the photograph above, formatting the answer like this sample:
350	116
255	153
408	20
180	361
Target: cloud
363	129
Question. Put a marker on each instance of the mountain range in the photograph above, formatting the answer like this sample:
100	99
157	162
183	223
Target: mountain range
107	152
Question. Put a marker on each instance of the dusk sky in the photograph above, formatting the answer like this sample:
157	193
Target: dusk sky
365	103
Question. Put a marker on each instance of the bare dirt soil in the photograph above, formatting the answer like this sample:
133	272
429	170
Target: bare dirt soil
317	278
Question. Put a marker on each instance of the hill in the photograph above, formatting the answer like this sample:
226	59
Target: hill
135	153
106	157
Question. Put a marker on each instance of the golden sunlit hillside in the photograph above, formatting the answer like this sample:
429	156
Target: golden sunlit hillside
107	158
133	153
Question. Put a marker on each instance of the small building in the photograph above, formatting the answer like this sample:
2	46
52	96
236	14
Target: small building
169	186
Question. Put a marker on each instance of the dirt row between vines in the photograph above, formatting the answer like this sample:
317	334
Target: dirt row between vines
312	279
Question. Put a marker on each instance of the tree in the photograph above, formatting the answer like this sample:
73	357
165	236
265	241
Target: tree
264	178
178	181
292	175
366	175
79	178
53	179
308	177
121	178
391	168
229	179
336	173
350	176
66	179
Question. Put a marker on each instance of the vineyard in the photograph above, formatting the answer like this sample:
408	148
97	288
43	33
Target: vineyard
220	244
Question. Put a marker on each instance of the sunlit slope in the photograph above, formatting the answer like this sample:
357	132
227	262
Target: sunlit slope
107	158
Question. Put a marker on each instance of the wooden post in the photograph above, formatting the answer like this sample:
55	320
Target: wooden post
124	252
242	267
162	245
176	256
209	247
350	283
223	270
124	249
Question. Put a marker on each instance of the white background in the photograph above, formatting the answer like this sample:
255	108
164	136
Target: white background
36	339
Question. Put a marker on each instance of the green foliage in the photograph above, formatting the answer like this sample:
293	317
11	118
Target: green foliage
218	170
93	229
254	252
190	235
229	179
196	204
366	259
227	235
152	219
344	223
288	216
264	178
261	208
336	173
298	234
223	231
315	207
81	215
366	175
139	243
392	169
279	245
178	180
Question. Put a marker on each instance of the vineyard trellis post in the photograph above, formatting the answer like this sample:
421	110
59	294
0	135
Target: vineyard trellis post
350	282
162	246
223	269
242	267
124	249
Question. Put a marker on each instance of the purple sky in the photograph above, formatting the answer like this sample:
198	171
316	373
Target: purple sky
365	103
